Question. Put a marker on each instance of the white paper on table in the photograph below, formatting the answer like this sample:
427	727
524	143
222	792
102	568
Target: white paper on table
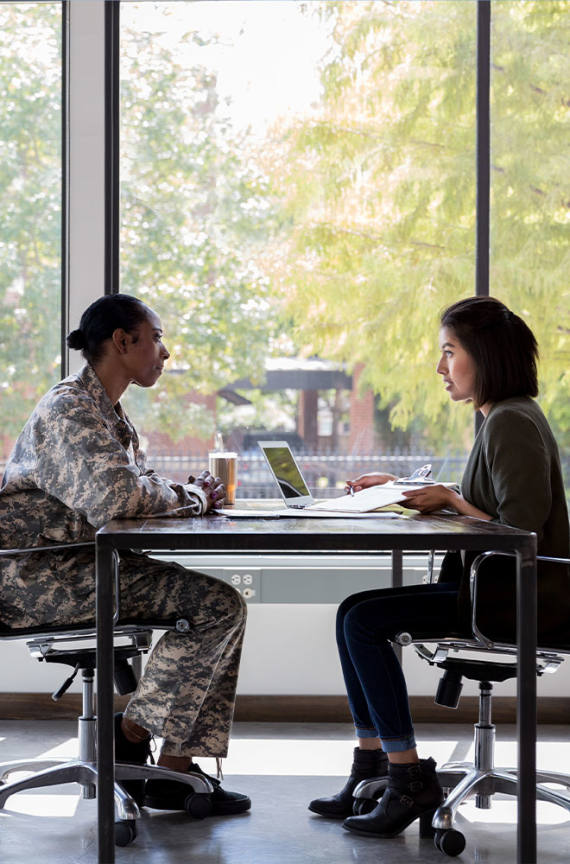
313	513
366	500
244	513
300	513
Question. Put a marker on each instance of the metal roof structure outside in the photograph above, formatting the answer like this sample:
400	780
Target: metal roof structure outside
297	373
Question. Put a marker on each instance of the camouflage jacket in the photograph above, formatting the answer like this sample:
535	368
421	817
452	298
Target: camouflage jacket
76	465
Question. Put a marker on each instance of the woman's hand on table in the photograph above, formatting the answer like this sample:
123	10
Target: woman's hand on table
212	487
426	499
364	481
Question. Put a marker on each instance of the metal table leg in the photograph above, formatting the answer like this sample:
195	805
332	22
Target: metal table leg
397	568
526	702
105	732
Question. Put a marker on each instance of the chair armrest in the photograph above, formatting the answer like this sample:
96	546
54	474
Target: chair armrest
10	553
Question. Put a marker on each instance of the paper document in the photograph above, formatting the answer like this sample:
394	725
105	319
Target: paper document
308	513
292	513
366	500
244	513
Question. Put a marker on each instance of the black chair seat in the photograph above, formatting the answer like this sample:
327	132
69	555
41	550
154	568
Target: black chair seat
479	670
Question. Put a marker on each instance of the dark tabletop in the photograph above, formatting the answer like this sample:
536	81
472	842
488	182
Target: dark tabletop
290	535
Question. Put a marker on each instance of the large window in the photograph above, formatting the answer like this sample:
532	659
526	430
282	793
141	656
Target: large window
30	215
298	201
530	205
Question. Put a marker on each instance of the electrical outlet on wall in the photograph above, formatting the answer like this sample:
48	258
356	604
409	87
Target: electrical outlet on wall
246	580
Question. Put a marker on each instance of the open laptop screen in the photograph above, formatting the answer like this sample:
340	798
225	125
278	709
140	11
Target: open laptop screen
281	461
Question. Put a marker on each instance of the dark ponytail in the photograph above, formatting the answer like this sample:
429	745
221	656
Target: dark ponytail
101	319
76	340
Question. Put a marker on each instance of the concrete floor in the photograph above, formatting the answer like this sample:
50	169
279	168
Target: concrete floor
281	767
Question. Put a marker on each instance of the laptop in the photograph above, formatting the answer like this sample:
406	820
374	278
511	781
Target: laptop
287	474
297	496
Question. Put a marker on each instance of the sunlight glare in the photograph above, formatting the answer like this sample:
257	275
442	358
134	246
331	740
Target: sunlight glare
299	757
45	805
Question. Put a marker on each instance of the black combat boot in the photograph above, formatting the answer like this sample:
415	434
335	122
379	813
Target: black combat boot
413	791
172	795
136	753
366	764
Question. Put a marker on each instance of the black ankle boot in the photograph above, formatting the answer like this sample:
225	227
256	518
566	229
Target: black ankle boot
366	764
413	790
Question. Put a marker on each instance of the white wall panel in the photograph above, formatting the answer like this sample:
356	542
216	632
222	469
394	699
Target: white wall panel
87	163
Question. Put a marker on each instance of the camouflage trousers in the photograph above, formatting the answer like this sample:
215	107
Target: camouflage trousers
187	692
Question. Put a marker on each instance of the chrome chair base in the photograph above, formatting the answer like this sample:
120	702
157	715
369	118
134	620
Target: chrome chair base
52	773
83	769
465	780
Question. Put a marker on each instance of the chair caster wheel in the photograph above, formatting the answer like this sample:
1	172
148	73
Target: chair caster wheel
125	832
450	842
361	806
199	806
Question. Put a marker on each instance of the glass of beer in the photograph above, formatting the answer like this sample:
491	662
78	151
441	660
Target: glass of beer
223	464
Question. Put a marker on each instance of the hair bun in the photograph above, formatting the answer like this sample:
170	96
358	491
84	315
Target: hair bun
76	340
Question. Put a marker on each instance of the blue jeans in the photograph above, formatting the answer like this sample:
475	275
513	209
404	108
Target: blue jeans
375	684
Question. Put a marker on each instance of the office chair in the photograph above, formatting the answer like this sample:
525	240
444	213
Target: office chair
74	646
462	780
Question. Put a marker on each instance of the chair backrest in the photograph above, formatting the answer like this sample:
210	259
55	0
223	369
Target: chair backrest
549	656
558	641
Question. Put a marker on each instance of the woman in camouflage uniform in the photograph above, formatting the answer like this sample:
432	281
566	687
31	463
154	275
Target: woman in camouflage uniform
75	466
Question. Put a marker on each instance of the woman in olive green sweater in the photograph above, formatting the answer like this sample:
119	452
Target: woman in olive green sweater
513	475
